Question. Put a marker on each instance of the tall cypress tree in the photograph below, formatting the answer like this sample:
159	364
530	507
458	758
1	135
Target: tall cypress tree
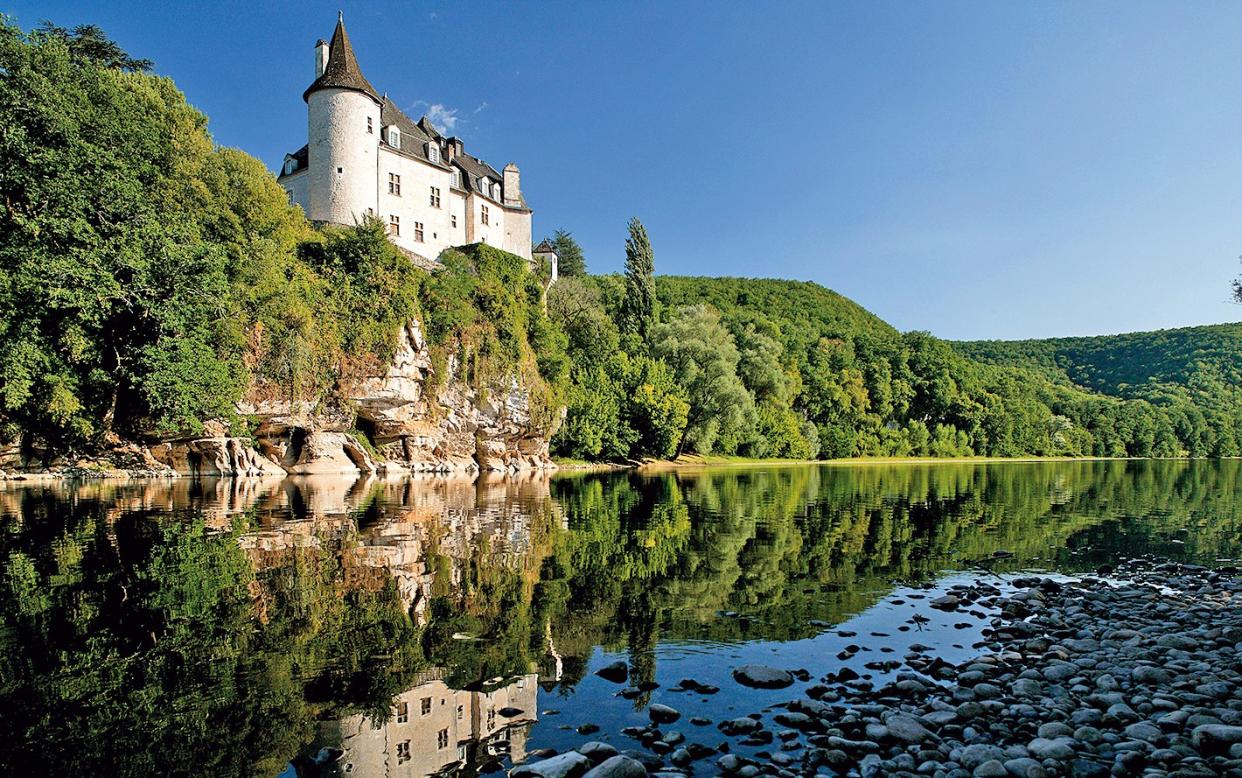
638	307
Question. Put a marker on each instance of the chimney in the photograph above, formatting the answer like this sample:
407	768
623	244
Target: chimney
321	57
512	183
454	148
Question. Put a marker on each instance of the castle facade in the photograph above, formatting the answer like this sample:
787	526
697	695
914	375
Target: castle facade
365	157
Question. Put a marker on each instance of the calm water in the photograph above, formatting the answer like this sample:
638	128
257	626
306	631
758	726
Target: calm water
436	626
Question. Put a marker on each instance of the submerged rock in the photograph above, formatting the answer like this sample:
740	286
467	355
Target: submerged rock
617	672
762	677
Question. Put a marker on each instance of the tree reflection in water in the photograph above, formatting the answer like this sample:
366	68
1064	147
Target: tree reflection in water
225	626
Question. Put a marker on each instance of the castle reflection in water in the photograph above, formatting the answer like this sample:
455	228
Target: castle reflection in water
436	730
383	532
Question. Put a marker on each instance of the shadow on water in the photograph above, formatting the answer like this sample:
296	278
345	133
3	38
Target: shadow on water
227	626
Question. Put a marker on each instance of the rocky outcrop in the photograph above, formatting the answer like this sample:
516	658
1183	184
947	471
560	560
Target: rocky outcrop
402	419
407	425
214	456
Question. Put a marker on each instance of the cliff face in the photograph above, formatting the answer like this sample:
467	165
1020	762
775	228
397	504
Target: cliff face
410	421
409	425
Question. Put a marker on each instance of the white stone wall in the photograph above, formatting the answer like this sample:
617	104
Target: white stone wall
517	233
298	187
414	203
341	155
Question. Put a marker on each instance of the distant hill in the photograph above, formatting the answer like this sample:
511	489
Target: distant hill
798	304
1133	365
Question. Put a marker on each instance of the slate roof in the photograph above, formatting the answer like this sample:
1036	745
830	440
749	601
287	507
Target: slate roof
342	71
413	138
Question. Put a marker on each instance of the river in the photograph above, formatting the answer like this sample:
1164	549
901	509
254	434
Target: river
428	626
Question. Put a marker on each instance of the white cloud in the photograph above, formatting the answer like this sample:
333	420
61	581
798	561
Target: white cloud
481	107
443	117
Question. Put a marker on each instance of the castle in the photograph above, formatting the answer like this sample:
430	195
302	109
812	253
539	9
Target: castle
364	157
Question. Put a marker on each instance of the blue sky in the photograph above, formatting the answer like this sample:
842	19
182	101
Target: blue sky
974	169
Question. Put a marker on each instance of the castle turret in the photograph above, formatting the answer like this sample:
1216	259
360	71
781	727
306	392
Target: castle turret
343	129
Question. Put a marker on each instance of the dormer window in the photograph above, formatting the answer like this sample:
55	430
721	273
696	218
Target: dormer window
433	152
394	136
291	165
456	179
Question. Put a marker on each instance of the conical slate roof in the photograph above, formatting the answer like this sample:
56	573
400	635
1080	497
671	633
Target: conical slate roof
342	71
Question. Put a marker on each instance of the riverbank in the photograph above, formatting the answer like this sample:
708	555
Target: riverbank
693	461
1136	671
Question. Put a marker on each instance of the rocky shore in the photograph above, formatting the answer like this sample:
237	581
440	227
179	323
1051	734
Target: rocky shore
1136	670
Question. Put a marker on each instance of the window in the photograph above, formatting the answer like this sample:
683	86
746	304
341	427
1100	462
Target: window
491	720
460	712
442	739
483	215
495	191
403	712
394	137
426	706
403	751
394	228
461	753
291	165
452	219
370	126
418	236
394	184
435	197
456	179
433	152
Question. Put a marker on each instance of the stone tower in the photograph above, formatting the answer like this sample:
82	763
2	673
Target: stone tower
343	111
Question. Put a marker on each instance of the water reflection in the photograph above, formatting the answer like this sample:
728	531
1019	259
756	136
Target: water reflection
436	730
228	626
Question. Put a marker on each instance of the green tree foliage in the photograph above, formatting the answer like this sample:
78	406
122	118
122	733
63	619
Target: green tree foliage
701	352
569	257
638	305
87	43
112	299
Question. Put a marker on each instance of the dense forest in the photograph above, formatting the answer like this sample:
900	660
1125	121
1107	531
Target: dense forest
149	279
789	369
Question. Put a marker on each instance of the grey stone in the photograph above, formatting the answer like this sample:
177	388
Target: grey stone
1215	738
597	751
663	714
991	769
1044	748
762	677
617	767
907	729
567	765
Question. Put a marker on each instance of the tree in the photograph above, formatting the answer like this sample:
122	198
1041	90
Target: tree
638	306
569	259
704	359
88	43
